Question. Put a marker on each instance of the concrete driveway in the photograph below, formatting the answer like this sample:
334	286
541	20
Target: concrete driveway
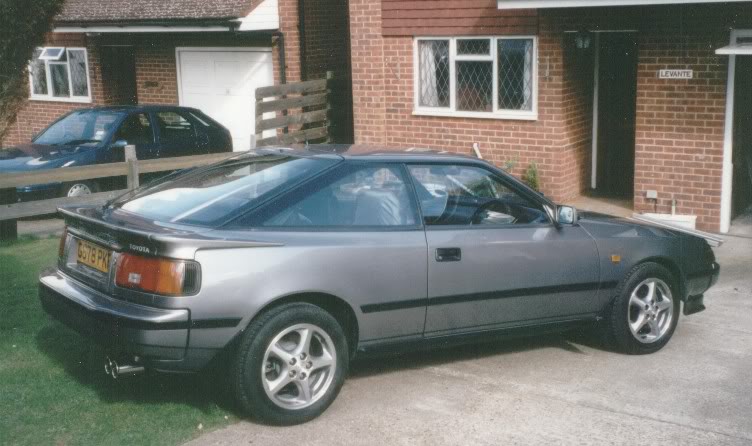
553	390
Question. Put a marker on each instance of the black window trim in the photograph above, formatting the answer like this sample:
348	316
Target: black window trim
500	176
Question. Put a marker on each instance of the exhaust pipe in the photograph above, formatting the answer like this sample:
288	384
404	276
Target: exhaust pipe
116	370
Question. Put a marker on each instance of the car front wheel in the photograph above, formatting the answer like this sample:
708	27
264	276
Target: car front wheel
645	310
290	364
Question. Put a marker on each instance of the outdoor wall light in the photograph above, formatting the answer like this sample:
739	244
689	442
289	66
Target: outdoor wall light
582	40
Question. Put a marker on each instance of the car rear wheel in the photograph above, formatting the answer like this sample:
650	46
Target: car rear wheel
79	188
290	364
645	311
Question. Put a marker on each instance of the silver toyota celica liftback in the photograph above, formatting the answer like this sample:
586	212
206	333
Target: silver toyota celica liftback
293	261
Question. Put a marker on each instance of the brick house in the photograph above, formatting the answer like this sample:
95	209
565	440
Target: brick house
211	55
644	99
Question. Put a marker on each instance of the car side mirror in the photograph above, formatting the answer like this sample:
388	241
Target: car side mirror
566	215
119	144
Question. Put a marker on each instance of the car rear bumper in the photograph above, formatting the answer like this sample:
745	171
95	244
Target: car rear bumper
158	336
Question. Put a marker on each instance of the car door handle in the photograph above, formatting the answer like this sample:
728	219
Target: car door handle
448	254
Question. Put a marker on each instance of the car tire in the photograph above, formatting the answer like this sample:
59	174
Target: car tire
645	310
272	366
78	188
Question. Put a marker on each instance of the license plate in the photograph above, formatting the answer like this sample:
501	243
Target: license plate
93	256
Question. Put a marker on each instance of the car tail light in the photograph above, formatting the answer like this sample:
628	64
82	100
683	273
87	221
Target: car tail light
156	275
61	246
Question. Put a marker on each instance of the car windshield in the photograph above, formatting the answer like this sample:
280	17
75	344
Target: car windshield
80	127
211	196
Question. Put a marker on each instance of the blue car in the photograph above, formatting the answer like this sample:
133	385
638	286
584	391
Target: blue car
98	135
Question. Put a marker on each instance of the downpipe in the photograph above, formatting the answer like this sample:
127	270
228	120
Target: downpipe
117	370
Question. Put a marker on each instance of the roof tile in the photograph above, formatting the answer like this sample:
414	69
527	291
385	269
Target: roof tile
108	11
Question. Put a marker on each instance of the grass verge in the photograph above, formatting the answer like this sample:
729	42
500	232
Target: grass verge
53	389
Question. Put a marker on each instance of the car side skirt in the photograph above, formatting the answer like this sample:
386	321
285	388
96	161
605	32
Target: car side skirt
473	335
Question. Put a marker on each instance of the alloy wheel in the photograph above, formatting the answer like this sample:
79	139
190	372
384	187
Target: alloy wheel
651	310
299	366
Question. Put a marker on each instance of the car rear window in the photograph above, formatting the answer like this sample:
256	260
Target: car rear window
212	196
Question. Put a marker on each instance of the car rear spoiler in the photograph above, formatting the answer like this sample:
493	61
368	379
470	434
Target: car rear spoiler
712	239
177	244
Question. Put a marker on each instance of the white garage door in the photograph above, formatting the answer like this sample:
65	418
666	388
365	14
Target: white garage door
221	83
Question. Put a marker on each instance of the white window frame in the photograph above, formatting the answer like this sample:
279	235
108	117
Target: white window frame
451	111
46	49
49	96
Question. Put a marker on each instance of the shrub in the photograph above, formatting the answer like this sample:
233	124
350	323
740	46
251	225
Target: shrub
23	24
531	176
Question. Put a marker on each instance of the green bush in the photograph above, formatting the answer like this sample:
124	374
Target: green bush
531	176
23	24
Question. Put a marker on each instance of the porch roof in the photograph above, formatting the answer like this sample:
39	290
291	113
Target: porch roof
547	4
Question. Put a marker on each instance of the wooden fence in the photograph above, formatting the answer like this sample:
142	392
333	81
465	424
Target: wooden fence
131	168
301	112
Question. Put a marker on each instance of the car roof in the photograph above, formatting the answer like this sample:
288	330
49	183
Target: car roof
376	153
135	108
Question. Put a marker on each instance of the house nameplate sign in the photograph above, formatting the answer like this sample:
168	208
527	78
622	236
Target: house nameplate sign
676	74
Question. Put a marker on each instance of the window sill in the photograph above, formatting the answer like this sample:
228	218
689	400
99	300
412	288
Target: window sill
478	115
74	100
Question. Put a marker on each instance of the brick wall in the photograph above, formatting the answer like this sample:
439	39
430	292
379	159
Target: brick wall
288	24
383	104
368	78
680	125
156	74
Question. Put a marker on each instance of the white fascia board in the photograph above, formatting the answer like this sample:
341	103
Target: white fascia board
264	17
140	29
735	49
546	4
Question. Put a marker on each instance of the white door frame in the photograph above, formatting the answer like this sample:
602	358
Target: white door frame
212	49
596	89
727	175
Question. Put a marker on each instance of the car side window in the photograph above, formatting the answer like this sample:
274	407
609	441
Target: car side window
354	197
136	130
468	195
174	127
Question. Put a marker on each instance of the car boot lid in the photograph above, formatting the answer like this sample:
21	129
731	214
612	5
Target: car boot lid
124	232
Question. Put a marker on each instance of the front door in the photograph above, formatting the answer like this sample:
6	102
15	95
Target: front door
222	84
494	258
617	101
119	75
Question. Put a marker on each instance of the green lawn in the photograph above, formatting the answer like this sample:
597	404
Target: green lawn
52	386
